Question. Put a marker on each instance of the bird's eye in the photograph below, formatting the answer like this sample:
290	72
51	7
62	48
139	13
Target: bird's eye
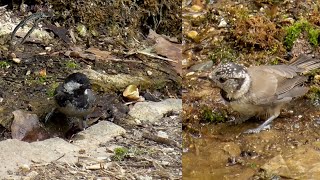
222	80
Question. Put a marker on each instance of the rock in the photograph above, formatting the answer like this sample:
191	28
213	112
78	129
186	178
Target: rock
303	163
16	60
145	177
162	134
26	127
222	23
149	73
196	8
193	35
6	117
154	111
117	82
31	175
97	134
15	153
204	66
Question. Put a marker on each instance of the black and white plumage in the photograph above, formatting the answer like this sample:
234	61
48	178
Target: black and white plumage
262	90
74	97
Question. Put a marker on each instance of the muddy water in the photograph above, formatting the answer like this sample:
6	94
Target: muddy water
222	151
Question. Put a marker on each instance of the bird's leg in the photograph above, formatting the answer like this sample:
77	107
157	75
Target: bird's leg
83	123
263	126
238	120
49	115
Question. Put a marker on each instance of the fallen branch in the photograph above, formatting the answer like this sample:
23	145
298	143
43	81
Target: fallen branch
158	139
156	56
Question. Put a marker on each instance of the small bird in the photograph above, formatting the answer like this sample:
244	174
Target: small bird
75	98
262	90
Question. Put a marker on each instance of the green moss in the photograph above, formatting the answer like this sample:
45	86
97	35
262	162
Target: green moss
293	32
253	165
42	79
221	54
4	64
208	115
313	35
50	91
120	153
275	62
71	65
314	95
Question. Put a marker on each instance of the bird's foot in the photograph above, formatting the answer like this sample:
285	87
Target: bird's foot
232	120
49	115
258	129
83	124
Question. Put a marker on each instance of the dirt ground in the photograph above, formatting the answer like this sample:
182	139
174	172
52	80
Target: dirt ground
29	84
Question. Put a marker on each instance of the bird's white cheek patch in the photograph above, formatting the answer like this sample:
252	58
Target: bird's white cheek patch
86	92
71	86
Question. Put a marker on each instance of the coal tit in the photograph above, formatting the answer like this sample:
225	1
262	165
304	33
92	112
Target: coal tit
75	98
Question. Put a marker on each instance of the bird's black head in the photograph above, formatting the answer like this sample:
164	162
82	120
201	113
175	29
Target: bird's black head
78	78
76	83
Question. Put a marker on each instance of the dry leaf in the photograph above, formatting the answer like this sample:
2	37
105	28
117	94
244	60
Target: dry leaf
168	49
26	127
102	55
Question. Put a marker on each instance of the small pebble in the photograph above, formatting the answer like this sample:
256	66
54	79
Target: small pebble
16	60
42	53
165	163
190	73
222	23
32	175
162	134
48	48
300	116
193	35
25	167
149	73
28	73
196	8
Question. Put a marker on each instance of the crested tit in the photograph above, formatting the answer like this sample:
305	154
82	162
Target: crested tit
262	90
75	98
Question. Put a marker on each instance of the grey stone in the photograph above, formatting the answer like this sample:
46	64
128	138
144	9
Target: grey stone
222	23
15	153
97	134
302	163
204	66
154	111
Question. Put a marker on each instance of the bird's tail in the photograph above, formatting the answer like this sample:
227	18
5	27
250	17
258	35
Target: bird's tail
305	63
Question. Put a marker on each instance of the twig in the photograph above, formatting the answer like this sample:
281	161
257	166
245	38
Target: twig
282	60
156	56
152	137
123	60
60	157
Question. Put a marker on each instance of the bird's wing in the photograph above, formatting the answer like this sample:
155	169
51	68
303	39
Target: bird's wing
275	83
305	63
282	71
263	85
